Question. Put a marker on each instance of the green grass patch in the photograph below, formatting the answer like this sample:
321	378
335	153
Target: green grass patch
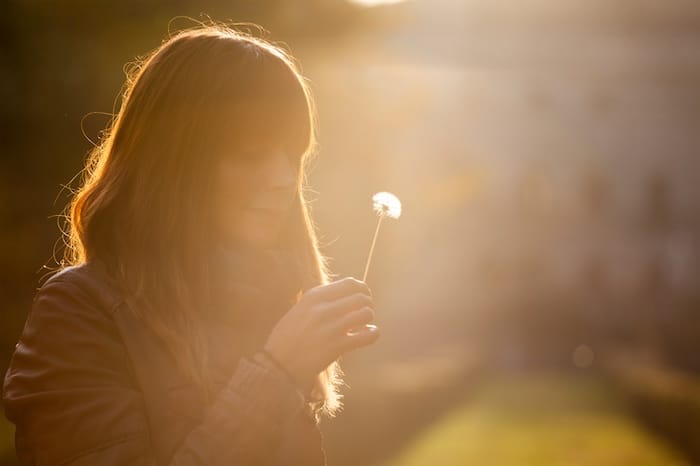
543	420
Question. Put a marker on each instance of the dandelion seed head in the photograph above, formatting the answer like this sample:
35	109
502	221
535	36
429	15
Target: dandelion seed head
386	204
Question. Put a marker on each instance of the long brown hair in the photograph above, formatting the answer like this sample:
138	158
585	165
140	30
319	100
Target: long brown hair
142	206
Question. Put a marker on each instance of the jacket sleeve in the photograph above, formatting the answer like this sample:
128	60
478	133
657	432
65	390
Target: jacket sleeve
69	392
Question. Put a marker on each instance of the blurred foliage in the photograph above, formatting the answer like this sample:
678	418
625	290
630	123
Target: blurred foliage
7	442
667	400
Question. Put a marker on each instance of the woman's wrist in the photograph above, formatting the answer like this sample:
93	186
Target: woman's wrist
267	359
264	358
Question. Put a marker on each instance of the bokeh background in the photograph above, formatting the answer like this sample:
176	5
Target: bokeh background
538	297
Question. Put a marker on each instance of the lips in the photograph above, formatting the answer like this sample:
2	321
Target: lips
267	212
278	207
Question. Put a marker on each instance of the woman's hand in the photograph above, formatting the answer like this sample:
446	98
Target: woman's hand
314	332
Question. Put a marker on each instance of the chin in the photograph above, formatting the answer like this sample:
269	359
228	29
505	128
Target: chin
261	241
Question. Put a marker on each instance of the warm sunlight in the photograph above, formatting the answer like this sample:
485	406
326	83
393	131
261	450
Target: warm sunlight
471	228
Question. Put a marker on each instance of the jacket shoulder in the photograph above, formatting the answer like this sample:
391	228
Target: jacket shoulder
69	387
90	279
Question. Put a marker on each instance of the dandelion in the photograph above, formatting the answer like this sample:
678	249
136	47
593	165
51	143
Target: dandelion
385	205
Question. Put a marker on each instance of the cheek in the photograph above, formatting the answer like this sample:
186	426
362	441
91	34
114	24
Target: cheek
236	186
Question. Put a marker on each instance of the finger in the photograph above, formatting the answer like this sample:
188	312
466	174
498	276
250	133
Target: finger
340	307
338	289
352	341
354	319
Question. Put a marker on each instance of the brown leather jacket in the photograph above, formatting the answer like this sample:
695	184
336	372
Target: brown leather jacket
88	385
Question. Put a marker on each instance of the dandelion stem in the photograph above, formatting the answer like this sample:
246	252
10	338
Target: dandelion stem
371	249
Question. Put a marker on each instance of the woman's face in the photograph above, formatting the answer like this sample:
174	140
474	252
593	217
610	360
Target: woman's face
254	192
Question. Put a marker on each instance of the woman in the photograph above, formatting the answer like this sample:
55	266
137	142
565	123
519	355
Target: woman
193	322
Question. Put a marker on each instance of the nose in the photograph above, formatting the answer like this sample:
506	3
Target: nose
281	175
